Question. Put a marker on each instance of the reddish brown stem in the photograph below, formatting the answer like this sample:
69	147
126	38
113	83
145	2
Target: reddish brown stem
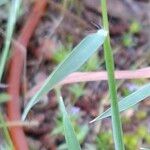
95	76
15	72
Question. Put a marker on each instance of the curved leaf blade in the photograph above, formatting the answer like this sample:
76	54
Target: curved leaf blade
74	61
128	101
71	139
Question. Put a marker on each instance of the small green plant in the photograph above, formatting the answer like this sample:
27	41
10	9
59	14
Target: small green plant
128	37
132	140
128	40
77	90
92	64
61	53
104	141
135	27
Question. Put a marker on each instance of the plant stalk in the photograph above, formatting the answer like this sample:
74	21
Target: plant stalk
116	121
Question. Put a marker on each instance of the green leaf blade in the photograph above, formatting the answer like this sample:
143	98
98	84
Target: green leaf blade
128	101
74	61
15	5
71	140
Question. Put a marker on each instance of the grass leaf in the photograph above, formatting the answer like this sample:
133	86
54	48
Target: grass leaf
71	139
74	61
15	5
128	101
110	67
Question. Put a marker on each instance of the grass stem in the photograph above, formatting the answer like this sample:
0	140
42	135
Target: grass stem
116	121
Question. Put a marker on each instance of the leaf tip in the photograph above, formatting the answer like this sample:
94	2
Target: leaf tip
103	32
23	117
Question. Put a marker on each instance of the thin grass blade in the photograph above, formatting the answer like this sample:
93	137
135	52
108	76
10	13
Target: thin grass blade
15	5
74	61
128	101
71	139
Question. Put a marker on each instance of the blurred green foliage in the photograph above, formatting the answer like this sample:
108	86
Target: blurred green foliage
128	37
140	115
4	97
77	90
132	140
104	141
92	64
135	27
128	40
61	53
